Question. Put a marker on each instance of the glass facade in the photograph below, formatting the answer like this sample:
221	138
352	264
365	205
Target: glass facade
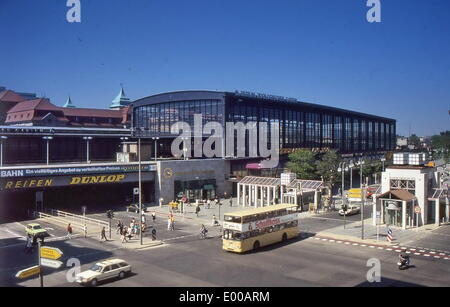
300	125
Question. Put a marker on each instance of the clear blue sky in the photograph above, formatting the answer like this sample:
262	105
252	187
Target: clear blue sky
320	51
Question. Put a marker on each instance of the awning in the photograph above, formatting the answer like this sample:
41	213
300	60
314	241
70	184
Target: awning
398	194
253	166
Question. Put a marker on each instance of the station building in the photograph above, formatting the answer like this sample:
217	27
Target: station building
82	146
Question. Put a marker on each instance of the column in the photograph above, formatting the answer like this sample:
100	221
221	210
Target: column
268	196
238	194
316	200
244	195
403	214
437	220
274	190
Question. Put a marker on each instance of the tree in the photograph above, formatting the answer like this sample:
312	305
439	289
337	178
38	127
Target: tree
327	167
414	140
441	144
303	163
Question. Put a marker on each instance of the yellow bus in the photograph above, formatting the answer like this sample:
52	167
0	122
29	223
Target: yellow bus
251	229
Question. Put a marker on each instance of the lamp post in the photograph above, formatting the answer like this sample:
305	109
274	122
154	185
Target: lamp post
361	163
382	161
185	150
342	169
155	139
2	138
87	139
48	139
351	166
140	191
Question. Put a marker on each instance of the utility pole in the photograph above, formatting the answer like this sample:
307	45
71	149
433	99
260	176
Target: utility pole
361	163
41	275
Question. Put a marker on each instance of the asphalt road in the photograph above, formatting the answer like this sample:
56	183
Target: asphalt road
189	261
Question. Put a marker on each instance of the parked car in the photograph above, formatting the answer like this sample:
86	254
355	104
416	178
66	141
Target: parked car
36	230
351	210
135	208
104	270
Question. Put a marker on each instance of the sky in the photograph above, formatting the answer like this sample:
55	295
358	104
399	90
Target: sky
318	51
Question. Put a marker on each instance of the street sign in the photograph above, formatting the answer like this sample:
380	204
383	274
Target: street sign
34	270
417	209
54	264
51	253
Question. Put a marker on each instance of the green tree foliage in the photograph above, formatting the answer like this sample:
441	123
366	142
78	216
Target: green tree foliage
414	140
303	163
327	166
441	144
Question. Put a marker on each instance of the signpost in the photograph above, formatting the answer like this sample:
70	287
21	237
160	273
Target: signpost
378	224
417	210
47	256
23	274
54	264
50	253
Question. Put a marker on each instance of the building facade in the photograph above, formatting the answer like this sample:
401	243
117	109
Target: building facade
301	124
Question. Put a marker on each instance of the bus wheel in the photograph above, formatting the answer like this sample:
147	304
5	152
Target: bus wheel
284	237
256	245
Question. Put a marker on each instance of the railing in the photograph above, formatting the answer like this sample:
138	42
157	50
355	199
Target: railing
83	223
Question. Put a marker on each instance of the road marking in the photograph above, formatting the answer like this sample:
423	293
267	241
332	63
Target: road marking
355	244
332	241
437	257
426	255
389	249
408	252
324	239
417	254
371	246
363	245
347	243
339	242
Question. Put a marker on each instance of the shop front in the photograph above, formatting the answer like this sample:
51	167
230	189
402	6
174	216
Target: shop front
195	189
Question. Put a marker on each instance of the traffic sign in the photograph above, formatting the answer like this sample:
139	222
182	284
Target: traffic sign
34	270
54	264
417	209
51	253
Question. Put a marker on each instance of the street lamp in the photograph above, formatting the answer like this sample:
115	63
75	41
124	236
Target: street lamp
383	159
48	139
361	163
185	149
351	166
342	168
2	138
87	139
136	133
155	139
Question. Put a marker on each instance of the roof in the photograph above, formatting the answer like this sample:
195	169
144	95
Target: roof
110	261
84	112
306	185
69	103
400	194
264	181
261	210
120	100
10	96
35	104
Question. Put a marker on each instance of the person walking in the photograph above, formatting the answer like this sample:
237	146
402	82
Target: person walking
103	234
215	222
172	223
231	202
154	216
197	210
208	204
119	227
123	235
69	231
28	245
168	223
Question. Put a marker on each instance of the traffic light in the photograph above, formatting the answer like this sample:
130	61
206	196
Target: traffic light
110	214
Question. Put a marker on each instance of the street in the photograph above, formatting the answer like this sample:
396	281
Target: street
186	260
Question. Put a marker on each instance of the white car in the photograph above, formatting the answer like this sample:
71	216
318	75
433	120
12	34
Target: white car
107	269
350	210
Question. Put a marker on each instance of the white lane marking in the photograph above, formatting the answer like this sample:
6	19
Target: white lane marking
363	245
389	249
324	239
426	255
418	254
437	257
332	241
380	247
408	252
339	242
355	244
347	243
371	246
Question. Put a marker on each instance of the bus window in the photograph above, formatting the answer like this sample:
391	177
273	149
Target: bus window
232	219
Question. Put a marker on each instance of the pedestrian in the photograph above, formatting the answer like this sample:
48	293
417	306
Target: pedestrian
172	223
197	210
208	204
103	235
215	222
154	216
119	226
231	202
28	245
169	226
69	231
123	235
161	201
